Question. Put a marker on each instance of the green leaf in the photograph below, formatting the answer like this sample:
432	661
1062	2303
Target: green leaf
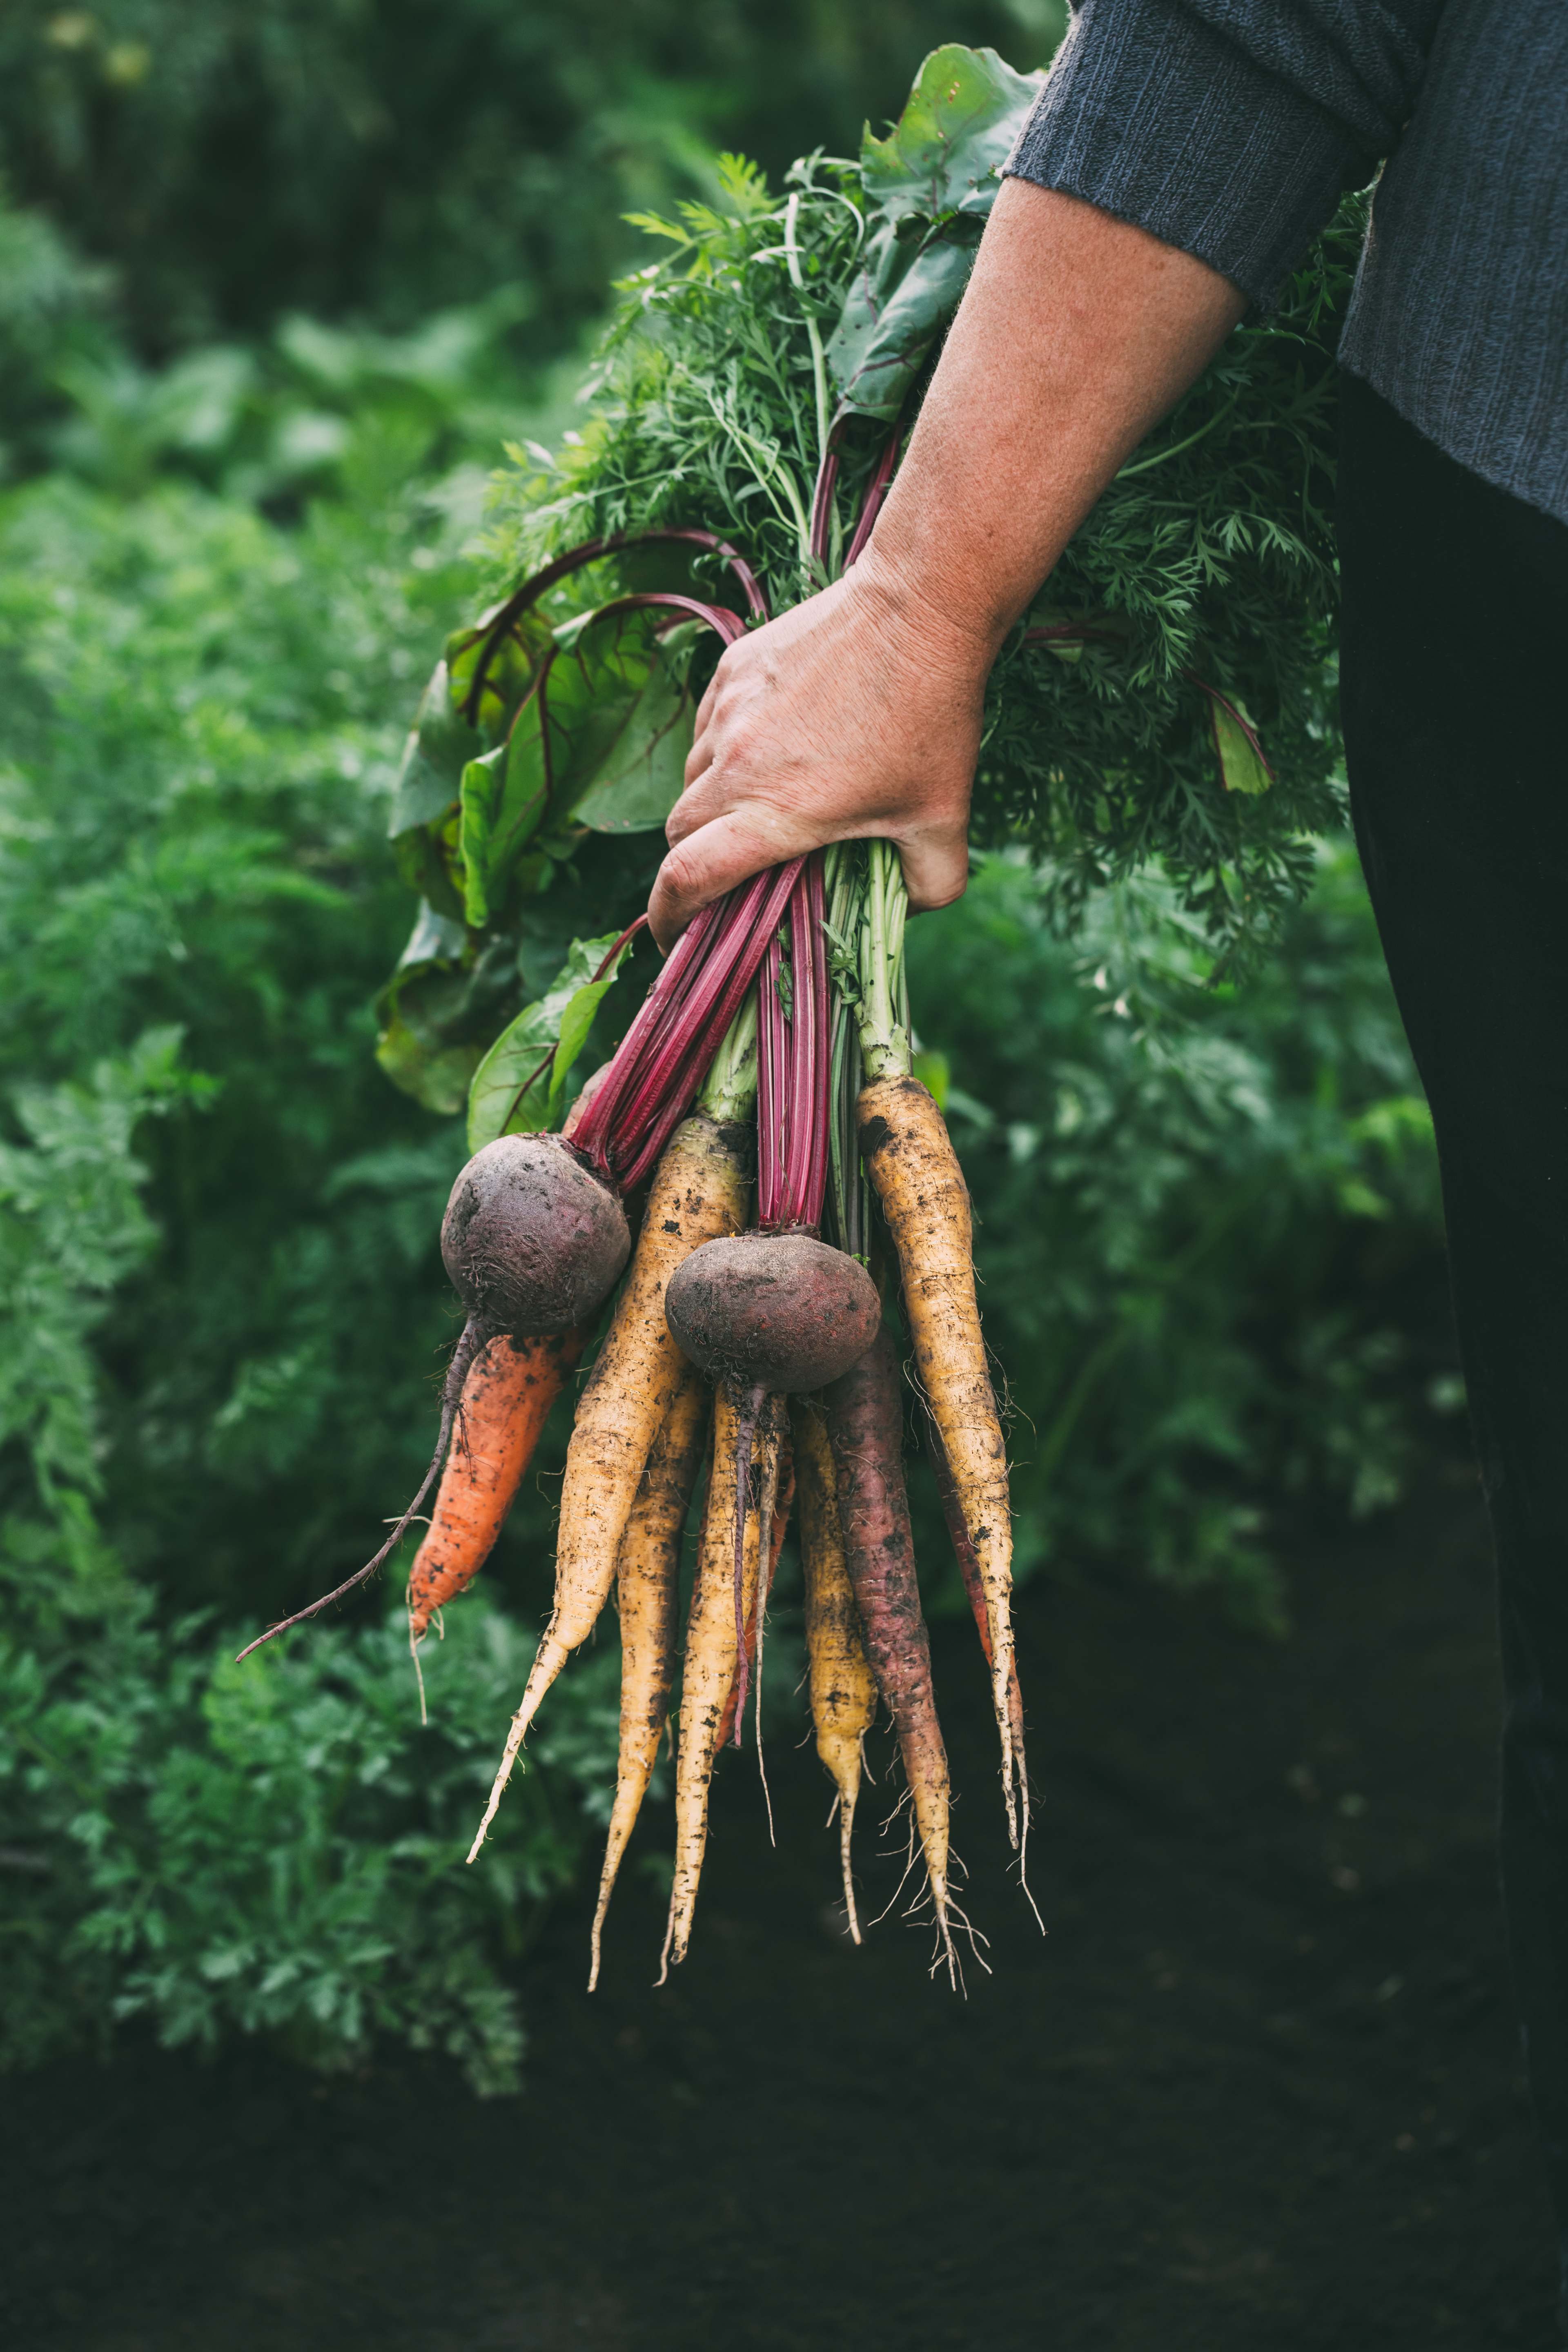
608	708
517	1088
510	672
645	774
1242	764
487	830
437	1077
957	126
928	187
440	1008
440	742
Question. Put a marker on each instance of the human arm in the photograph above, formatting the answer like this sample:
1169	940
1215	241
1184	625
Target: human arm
859	711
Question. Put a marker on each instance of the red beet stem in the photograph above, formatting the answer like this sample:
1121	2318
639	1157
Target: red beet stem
772	1111
807	1179
822	506
728	624
679	1064
667	992
792	1058
876	491
665	1054
506	615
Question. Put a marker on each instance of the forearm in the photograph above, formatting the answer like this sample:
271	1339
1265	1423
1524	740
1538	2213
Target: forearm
859	711
1078	333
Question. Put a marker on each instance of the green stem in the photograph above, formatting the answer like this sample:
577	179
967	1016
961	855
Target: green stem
884	1015
731	1087
818	360
1161	454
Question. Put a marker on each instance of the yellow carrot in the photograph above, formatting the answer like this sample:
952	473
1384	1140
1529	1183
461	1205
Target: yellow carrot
708	1668
698	1192
915	1170
843	1687
647	1583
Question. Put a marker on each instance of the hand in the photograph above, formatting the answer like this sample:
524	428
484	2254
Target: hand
856	713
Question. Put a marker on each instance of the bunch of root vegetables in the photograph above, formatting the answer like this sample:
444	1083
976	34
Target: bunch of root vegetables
794	1196
755	1195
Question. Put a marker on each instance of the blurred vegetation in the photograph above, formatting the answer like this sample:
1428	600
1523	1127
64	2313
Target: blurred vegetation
1209	1227
238	159
1210	1233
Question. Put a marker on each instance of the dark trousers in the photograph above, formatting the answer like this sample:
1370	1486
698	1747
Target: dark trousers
1454	693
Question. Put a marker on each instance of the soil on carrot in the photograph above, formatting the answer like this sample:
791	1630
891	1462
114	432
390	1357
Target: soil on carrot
1258	2087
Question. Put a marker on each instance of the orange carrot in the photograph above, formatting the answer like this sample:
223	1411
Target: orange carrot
843	1688
648	1582
969	1569
842	1683
507	1396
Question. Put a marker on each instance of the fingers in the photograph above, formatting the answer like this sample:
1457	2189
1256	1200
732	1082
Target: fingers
936	868
716	857
729	850
701	753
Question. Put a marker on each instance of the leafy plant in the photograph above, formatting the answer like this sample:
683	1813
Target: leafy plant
1205	1209
742	401
279	1848
383	162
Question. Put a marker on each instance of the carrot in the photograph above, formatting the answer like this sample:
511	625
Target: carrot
969	1569
698	1192
915	1170
772	1525
866	1424
709	1667
843	1689
648	1582
507	1396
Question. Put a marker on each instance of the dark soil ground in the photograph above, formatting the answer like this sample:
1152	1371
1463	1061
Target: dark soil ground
1258	2089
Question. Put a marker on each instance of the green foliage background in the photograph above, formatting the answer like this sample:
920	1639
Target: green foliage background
245	461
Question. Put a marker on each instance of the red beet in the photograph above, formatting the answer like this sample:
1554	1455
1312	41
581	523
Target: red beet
532	1240
775	1312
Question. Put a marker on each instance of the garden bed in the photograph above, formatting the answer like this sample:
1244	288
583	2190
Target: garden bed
1260	2086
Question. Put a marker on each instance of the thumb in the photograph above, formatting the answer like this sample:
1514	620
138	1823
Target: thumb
716	857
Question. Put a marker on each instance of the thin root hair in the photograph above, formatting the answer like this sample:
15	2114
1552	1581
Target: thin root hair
418	1674
909	1858
463	1355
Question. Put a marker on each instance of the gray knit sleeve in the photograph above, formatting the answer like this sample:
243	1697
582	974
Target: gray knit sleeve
1229	127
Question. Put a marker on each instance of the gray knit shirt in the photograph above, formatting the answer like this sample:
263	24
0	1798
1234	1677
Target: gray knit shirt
1230	127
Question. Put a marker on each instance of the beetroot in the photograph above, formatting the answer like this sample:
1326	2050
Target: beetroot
775	1312
532	1240
768	1314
